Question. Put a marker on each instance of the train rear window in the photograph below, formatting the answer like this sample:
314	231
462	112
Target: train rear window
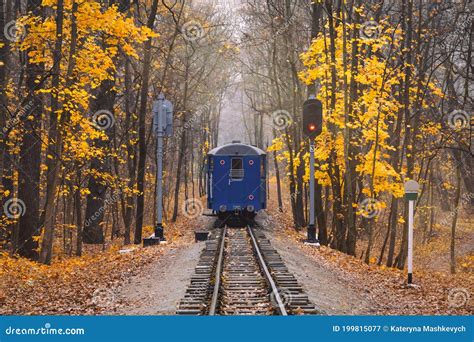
237	163
237	170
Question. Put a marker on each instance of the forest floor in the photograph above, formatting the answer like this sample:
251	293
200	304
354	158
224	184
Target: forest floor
378	290
94	283
151	281
330	291
160	285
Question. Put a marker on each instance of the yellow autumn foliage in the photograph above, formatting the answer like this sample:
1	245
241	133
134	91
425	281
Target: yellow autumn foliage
372	113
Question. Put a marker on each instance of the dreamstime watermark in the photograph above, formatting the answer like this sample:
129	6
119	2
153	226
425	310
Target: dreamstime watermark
189	124
103	119
460	66
192	208
14	31
46	330
471	139
23	112
459	31
370	207
465	199
458	297
369	30
283	28
109	200
192	31
14	208
281	119
124	5
459	119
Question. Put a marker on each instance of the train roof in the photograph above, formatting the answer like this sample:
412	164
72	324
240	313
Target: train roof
236	148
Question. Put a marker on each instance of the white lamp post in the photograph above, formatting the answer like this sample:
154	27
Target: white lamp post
411	194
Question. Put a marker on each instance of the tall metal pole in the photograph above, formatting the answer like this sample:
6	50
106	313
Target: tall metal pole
160	116
411	194
411	205
311	226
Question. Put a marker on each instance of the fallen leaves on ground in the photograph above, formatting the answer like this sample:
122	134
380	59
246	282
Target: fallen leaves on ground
77	285
434	293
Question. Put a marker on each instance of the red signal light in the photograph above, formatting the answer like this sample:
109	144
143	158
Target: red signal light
312	118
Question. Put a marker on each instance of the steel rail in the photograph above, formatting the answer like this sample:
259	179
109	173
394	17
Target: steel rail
280	305
217	275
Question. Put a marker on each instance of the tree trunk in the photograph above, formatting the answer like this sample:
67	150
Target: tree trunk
142	129
30	161
54	144
457	208
4	53
278	181
407	22
78	209
182	145
128	202
95	206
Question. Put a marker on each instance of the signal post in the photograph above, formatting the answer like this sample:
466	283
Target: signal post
312	127
162	127
411	194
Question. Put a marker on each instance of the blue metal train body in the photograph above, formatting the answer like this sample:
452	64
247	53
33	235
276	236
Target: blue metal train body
237	177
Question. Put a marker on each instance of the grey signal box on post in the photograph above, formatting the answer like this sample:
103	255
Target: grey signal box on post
163	116
312	118
168	109
411	190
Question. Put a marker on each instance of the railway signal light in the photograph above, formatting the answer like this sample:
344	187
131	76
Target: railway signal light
312	127
163	127
312	118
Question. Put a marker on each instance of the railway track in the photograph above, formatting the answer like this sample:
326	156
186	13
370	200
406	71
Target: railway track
240	273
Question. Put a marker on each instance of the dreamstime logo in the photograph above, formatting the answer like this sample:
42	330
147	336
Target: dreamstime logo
124	6
192	31
188	125
192	208
369	30
102	297
460	66
471	142
458	119
281	119
47	329
14	208
370	207
465	200
109	199
14	31
103	119
458	297
462	25
285	296
22	113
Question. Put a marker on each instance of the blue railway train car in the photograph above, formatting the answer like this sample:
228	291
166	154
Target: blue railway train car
237	176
